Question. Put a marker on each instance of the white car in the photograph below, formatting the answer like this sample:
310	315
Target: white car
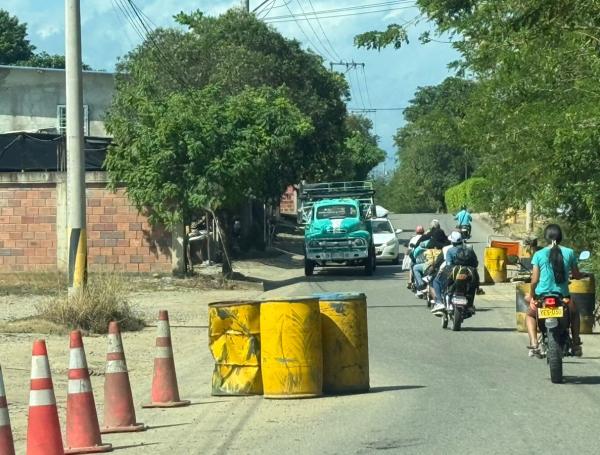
385	238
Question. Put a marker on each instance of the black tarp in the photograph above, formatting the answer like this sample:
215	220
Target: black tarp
31	152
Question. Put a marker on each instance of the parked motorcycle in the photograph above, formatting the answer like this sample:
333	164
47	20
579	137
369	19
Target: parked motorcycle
459	297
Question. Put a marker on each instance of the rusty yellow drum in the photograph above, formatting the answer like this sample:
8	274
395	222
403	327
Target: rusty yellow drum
234	341
291	349
521	289
583	293
345	343
495	265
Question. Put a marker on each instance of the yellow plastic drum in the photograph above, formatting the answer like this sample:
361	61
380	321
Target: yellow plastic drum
583	293
234	341
291	352
521	305
345	343
495	265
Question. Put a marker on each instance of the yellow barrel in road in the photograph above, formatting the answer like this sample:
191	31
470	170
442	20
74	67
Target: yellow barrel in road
234	341
583	293
345	343
521	289
495	265
291	351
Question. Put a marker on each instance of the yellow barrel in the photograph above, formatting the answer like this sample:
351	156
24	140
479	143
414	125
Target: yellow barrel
495	265
521	305
345	343
234	341
291	352
583	293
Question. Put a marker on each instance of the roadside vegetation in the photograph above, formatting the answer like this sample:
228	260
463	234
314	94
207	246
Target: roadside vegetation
522	111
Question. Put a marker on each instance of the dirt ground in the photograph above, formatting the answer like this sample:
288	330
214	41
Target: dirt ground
187	308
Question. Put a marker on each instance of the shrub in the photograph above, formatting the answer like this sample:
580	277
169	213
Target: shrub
103	300
475	193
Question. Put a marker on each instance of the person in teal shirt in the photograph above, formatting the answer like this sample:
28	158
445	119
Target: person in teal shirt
551	268
463	218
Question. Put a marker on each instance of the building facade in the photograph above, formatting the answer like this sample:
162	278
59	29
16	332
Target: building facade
33	100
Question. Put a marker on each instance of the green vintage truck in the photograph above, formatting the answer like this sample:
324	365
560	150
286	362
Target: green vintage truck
337	229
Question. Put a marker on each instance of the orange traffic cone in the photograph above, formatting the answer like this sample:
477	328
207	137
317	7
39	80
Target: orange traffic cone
43	429
165	393
119	413
83	430
7	446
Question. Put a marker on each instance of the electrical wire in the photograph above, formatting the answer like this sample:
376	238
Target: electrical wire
364	74
331	56
323	31
296	19
394	3
302	30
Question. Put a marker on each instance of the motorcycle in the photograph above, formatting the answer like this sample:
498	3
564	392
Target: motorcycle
465	231
554	324
458	297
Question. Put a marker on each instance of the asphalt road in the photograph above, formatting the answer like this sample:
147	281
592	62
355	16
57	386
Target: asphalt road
433	391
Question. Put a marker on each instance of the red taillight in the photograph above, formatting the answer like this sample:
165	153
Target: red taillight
550	301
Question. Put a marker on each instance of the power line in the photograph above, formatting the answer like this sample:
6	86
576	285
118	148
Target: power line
364	74
323	31
302	29
296	19
353	8
315	33
376	109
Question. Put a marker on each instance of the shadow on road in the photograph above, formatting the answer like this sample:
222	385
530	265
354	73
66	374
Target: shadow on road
590	380
393	388
487	329
397	306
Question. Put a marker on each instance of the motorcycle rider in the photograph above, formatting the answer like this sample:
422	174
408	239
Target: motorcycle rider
436	240
441	280
464	218
551	267
409	260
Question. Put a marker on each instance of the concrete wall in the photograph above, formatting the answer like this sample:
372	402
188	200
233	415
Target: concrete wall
33	228
29	98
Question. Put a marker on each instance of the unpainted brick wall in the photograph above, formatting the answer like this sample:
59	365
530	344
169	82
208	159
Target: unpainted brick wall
28	228
119	238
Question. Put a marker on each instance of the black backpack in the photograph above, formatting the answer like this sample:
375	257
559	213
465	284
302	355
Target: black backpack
465	257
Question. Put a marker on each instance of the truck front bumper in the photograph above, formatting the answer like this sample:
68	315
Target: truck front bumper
324	255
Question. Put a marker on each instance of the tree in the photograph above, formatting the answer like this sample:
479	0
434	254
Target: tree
14	45
362	152
226	110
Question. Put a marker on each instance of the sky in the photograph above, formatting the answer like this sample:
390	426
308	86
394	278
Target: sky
390	76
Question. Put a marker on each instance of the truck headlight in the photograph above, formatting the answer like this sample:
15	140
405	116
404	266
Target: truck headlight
359	242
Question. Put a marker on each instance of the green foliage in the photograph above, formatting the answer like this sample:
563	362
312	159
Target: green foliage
395	35
361	153
198	149
432	154
475	193
14	45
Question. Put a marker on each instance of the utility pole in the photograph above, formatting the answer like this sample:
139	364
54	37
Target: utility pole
75	149
246	5
529	217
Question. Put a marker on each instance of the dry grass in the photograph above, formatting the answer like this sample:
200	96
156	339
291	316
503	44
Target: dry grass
32	283
103	300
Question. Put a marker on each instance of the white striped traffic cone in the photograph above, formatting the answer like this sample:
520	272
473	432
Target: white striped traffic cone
165	393
7	446
119	412
83	430
43	429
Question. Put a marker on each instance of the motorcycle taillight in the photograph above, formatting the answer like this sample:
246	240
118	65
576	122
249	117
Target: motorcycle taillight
550	301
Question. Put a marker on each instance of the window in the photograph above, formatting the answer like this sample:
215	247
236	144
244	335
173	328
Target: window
380	227
61	117
336	211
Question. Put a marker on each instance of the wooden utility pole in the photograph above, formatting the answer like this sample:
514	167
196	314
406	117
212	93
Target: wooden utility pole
75	148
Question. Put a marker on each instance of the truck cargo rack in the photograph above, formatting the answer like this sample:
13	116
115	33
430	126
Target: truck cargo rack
309	193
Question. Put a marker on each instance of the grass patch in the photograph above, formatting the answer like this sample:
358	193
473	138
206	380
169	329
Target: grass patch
32	324
43	283
103	300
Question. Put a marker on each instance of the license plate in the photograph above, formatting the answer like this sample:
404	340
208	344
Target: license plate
459	300
545	313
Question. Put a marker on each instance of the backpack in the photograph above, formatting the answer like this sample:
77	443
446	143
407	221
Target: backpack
466	257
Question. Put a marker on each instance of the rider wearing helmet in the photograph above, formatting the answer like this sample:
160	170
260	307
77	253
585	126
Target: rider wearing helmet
551	267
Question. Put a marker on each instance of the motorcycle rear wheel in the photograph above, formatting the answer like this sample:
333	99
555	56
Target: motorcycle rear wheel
445	320
456	320
554	357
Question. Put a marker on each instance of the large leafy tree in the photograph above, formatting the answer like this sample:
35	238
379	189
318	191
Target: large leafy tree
14	45
362	152
223	110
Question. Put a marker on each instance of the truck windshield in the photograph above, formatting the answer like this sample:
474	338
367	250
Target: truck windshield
336	211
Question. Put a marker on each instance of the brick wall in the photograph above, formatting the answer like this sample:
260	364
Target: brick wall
119	238
27	228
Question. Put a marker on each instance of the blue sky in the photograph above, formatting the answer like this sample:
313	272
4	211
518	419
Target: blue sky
392	76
